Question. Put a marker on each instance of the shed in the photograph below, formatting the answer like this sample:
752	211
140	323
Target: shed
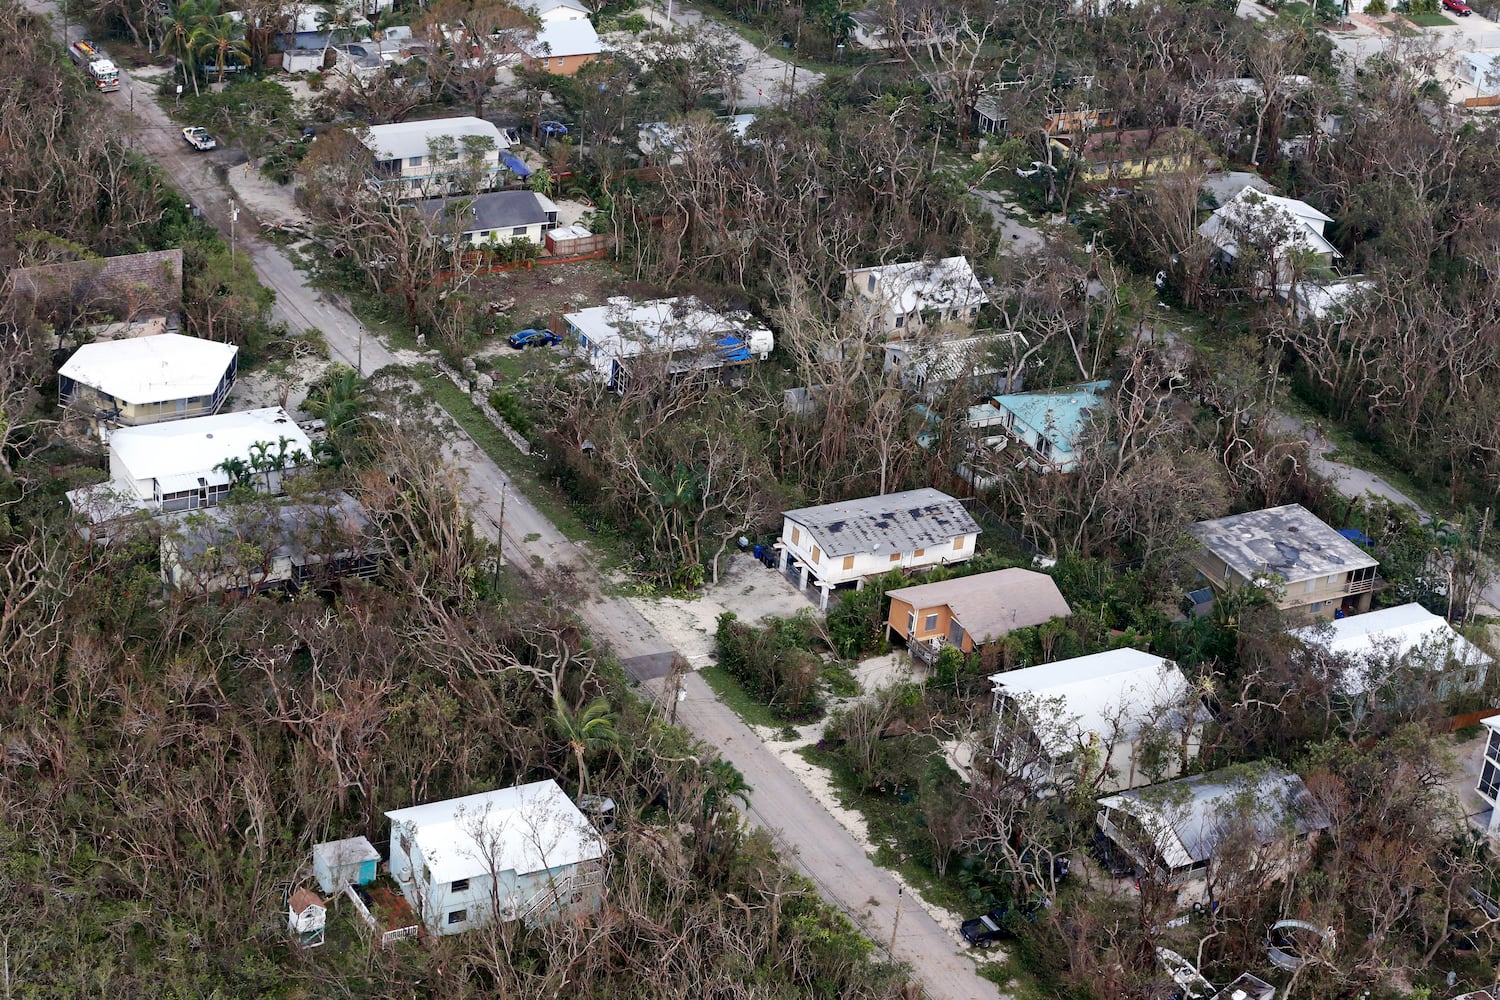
307	916
344	862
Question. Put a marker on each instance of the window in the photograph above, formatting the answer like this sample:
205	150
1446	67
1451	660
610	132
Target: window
415	161
871	285
796	535
895	557
848	562
817	554
900	322
518	231
458	916
958	543
460	885
973	311
929	623
918	554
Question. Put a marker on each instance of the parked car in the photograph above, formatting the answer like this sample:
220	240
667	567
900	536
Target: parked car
198	138
1000	924
533	338
1458	7
550	129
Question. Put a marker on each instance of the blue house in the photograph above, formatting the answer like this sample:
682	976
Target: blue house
344	862
1050	424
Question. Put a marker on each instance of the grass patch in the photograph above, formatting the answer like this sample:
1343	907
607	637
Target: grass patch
1433	20
521	468
729	691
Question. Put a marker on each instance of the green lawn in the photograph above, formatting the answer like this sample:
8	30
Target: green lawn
1433	20
729	691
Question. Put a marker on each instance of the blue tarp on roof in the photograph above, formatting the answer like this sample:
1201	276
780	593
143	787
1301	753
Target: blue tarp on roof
732	349
514	164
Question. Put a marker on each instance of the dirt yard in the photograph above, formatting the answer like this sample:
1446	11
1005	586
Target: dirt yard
745	587
544	292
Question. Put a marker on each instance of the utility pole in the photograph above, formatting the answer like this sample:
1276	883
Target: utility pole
900	898
359	356
234	215
500	525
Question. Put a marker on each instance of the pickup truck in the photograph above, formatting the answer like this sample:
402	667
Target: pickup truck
199	138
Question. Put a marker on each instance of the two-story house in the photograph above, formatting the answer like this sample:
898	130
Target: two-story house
1312	570
1283	238
895	300
522	853
437	156
846	542
969	612
188	464
1122	718
1049	425
146	380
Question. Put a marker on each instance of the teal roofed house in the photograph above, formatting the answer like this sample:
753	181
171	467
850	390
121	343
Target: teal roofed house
1049	424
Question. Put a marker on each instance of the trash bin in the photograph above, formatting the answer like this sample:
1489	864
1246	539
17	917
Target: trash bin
760	553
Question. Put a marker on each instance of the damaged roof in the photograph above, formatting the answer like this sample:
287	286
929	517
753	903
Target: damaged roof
892	522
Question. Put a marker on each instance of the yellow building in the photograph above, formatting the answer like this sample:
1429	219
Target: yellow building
147	380
1131	155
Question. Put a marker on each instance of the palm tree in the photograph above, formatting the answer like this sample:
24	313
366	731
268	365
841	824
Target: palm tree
180	33
590	728
222	38
340	404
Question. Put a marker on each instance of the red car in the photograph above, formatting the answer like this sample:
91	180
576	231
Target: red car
1458	7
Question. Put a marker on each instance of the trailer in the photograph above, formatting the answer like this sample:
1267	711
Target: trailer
97	66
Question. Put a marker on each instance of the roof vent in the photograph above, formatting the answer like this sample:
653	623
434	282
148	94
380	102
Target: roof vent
210	436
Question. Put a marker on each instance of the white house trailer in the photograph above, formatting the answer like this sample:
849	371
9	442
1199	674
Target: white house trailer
523	853
683	334
179	465
434	157
846	542
146	380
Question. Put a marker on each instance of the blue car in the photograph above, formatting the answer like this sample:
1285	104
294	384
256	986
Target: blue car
550	128
533	338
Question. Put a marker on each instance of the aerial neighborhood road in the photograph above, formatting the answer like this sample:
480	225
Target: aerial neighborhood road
821	848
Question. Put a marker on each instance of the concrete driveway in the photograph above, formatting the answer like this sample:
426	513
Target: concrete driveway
766	80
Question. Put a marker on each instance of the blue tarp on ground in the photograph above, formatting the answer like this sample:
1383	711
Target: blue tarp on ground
514	164
1355	535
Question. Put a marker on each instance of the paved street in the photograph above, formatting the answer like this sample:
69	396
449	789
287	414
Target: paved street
811	837
766	78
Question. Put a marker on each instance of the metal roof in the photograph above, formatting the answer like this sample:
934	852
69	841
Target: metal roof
1094	693
404	140
1376	640
525	828
1186	818
571	37
1251	209
190	449
1060	415
350	851
923	284
989	605
1287	541
285	530
892	522
155	369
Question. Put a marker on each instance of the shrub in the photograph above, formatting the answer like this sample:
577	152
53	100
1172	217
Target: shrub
774	664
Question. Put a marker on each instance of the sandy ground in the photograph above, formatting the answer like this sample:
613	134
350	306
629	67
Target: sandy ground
268	201
277	385
745	587
1468	757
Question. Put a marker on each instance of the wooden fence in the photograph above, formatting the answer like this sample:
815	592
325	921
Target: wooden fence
1464	721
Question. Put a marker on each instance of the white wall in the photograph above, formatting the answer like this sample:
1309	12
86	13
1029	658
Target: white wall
486	237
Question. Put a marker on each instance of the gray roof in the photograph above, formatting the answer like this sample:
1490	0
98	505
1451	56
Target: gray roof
893	522
296	531
1288	541
495	210
988	605
1188	817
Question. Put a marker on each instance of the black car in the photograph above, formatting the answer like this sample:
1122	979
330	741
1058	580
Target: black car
998	925
533	338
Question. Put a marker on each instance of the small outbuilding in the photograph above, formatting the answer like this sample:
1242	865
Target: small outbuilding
338	863
307	918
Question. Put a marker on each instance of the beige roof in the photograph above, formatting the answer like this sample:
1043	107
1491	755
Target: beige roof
988	605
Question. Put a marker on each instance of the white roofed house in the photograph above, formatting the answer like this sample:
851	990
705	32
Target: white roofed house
437	156
1280	240
1402	658
980	364
564	45
1117	719
189	464
679	337
849	541
522	853
145	380
899	299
